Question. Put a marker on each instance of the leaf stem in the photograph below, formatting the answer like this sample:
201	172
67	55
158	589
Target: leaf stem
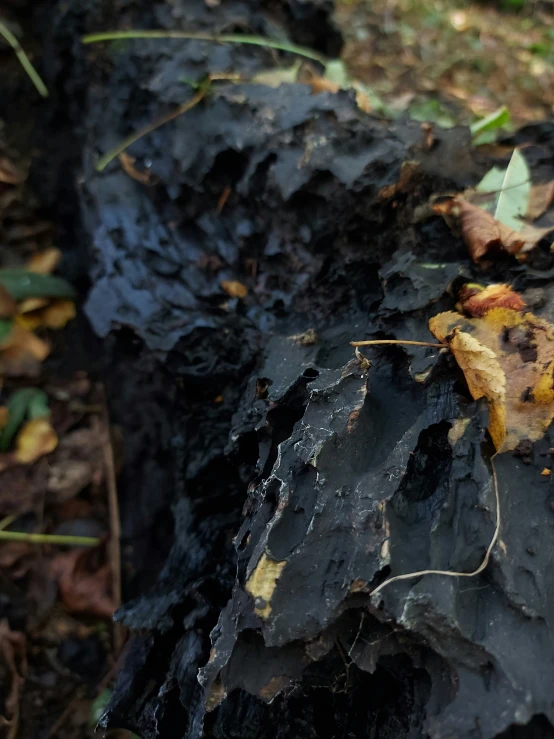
7	521
24	60
71	541
231	38
109	156
452	573
398	341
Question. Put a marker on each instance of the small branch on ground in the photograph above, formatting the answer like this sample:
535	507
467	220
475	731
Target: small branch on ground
376	342
102	423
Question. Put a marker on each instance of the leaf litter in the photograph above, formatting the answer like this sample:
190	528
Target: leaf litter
492	216
507	357
54	516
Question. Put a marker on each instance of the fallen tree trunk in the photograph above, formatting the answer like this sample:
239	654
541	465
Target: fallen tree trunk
301	478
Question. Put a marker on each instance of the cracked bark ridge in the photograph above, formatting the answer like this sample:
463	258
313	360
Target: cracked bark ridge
383	476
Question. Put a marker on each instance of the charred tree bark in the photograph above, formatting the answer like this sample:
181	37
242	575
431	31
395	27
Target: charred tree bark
299	479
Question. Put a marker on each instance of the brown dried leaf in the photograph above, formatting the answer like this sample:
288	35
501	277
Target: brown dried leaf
322	84
8	306
540	200
507	356
407	181
483	233
476	301
22	353
85	586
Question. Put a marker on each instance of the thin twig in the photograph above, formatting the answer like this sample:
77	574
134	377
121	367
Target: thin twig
227	38
375	342
450	573
103	162
24	60
113	507
69	541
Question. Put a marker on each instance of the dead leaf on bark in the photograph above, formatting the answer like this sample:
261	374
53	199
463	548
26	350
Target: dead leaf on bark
234	288
409	173
507	357
476	300
482	233
84	582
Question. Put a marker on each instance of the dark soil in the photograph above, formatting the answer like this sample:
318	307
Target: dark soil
248	441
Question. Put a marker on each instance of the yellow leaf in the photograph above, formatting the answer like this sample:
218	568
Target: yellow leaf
263	581
55	314
44	262
34	439
234	288
4	413
31	304
507	357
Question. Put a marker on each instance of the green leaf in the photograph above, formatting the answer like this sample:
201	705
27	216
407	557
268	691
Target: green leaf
22	284
99	705
38	405
336	72
431	110
514	193
497	119
508	191
27	401
6	326
492	182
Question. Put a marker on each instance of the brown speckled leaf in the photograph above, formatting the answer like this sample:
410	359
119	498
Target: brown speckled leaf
507	357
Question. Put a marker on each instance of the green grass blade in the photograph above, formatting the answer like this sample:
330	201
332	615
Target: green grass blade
110	155
24	60
498	118
68	541
229	38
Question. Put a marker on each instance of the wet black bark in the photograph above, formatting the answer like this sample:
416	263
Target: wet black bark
298	480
